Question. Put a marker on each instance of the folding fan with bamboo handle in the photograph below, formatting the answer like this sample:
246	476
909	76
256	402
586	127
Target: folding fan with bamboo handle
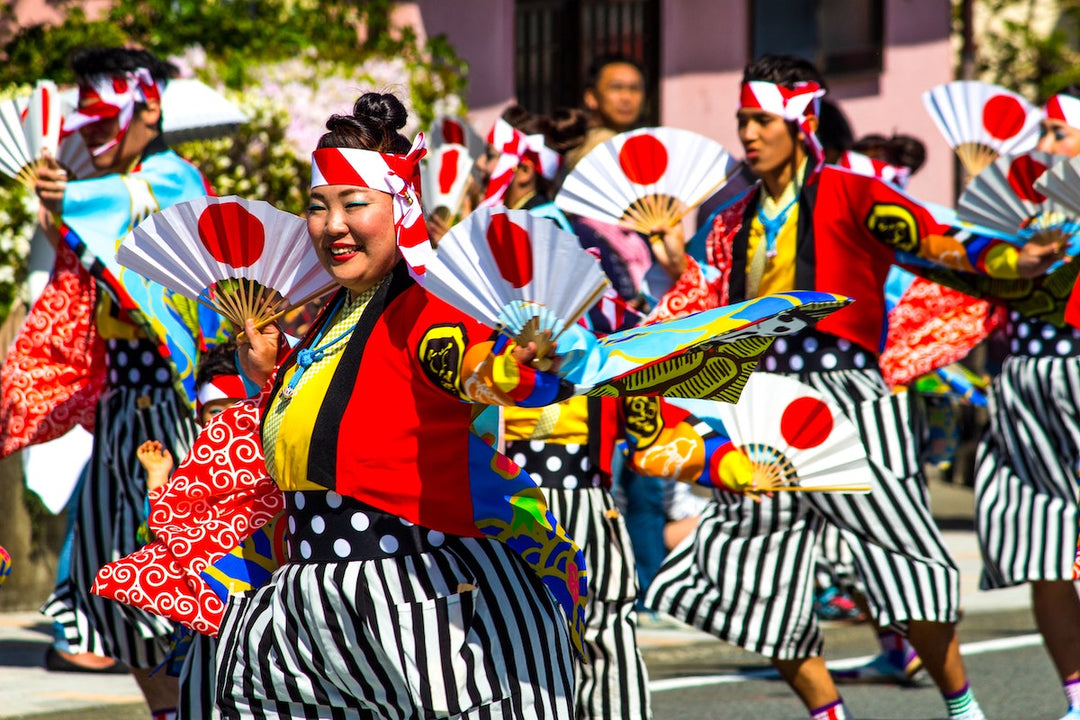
1007	197
797	440
29	128
646	179
516	272
241	258
1061	185
981	122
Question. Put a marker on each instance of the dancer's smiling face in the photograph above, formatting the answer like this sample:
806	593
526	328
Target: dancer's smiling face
352	230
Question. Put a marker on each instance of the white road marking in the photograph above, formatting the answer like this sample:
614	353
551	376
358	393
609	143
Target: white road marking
975	648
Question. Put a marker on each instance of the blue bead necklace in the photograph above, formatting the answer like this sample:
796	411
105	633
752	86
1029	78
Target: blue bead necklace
773	225
310	355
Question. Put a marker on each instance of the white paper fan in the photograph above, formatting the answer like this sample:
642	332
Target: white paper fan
29	127
1061	183
646	178
515	272
981	121
455	131
75	157
1005	197
795	437
445	174
243	258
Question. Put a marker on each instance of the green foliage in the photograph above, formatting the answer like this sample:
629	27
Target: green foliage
17	219
284	62
42	51
256	161
1017	51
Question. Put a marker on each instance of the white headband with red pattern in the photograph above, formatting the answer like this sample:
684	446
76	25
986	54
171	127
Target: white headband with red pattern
797	104
220	387
112	96
515	147
397	175
1065	108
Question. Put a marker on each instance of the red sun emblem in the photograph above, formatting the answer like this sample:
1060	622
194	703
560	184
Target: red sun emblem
806	423
1003	116
231	234
1023	172
511	249
644	159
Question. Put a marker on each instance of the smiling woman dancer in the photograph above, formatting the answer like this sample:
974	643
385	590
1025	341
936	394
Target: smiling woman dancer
364	428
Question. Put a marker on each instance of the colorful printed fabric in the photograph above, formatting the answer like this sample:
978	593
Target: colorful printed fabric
249	565
706	355
664	439
98	213
929	326
54	371
5	564
955	381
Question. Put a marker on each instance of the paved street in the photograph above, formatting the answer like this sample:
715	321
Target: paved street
694	677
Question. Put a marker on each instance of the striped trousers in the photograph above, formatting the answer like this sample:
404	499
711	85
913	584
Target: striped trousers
613	683
1026	473
465	631
109	513
746	575
197	675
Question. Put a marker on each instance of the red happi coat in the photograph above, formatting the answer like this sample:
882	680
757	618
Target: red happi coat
850	229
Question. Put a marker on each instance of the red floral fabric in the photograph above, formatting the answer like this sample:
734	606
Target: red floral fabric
54	372
931	327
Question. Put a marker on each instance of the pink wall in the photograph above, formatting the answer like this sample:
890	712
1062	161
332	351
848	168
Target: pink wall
703	49
918	56
702	69
482	32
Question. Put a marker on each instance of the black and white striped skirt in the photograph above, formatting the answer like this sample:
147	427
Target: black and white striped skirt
614	682
463	629
746	575
1026	472
110	511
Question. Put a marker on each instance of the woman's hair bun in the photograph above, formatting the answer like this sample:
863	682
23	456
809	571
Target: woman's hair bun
373	125
381	110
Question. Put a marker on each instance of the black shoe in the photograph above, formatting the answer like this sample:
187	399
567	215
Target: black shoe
55	662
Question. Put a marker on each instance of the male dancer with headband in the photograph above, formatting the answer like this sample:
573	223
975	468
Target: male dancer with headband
747	577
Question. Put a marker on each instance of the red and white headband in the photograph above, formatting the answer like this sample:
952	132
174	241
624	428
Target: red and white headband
112	96
797	104
220	387
866	165
1065	108
398	175
515	147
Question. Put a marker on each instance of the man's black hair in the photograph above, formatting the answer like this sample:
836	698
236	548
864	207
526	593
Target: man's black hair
785	70
116	60
834	131
592	73
218	360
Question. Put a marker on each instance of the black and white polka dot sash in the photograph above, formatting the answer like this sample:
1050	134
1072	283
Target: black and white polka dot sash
329	527
553	465
136	364
814	351
1035	338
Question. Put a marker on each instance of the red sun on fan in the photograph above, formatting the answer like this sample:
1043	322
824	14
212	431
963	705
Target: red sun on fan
231	234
